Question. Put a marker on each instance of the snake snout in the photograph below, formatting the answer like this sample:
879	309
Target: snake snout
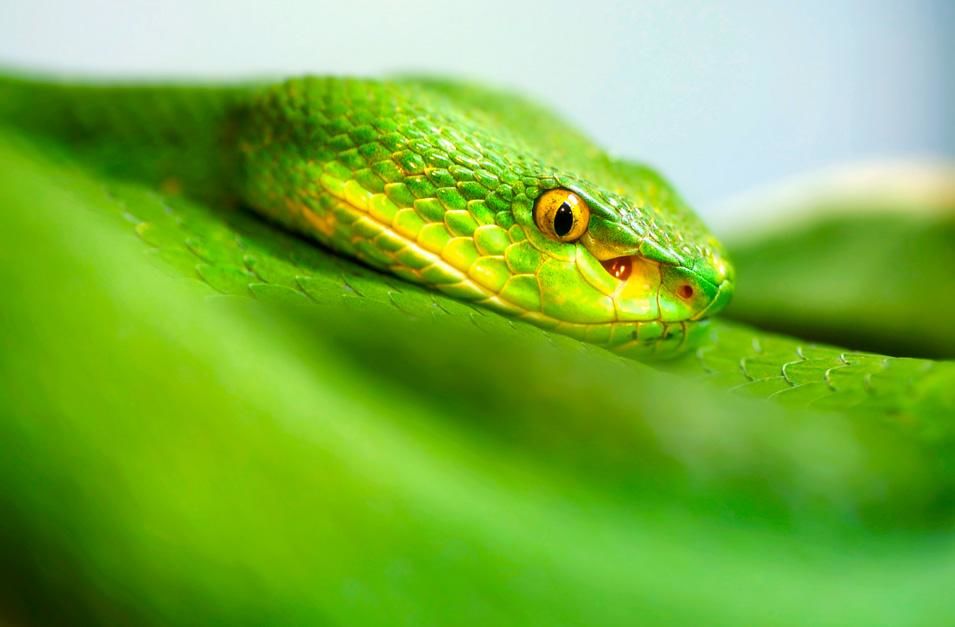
689	295
670	293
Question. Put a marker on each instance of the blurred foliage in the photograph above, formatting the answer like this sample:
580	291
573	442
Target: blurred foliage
881	282
343	448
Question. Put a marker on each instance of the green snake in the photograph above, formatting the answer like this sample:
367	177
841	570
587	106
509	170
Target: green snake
530	220
484	198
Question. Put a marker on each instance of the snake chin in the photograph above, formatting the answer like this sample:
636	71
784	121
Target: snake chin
674	340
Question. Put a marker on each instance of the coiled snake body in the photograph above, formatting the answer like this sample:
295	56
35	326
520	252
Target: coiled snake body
174	414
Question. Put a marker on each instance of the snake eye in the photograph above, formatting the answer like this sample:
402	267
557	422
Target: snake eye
561	215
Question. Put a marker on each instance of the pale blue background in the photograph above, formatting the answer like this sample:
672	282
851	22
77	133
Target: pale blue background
721	96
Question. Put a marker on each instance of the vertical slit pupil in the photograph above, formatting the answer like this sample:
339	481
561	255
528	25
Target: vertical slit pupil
563	220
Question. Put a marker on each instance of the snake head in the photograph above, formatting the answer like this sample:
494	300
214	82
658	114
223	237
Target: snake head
486	198
633	268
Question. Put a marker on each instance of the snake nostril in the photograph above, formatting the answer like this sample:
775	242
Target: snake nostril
685	291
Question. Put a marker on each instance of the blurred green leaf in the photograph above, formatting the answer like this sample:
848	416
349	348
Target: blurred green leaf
878	281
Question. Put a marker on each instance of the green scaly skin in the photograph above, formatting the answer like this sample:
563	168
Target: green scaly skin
408	179
413	178
435	182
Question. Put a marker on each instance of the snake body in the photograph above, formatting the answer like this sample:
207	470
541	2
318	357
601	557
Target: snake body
173	452
439	183
445	184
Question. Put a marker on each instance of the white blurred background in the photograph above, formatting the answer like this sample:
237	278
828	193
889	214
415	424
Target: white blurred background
723	97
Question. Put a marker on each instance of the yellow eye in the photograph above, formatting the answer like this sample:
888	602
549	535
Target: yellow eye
561	215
